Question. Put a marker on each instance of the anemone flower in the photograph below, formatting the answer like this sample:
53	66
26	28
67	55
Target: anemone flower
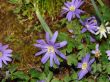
108	54
89	24
50	48
102	31
72	9
5	54
107	25
85	66
96	51
108	30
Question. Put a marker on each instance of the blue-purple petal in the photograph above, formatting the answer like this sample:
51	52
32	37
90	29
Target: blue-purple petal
97	47
0	63
60	54
45	58
4	47
54	37
86	58
39	46
41	52
108	52
5	62
69	16
61	44
91	61
41	42
93	51
7	51
7	58
82	73
83	30
41	81
79	65
51	60
92	39
56	59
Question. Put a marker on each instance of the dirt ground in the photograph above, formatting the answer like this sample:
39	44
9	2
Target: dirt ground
13	33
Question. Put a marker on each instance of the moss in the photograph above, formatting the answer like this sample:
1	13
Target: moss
12	33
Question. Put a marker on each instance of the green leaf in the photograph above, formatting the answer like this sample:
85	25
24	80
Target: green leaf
42	76
97	68
103	78
17	10
49	77
71	59
55	80
20	75
12	68
33	80
74	76
69	47
108	68
3	80
15	1
105	13
67	78
34	73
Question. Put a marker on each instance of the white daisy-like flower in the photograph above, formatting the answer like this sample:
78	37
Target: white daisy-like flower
107	27
108	30
102	31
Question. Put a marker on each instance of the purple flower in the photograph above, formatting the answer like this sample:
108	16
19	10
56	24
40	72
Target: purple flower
96	51
85	66
92	39
72	9
50	48
5	54
90	24
41	81
108	54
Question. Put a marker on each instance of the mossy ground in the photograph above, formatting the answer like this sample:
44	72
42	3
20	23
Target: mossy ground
13	33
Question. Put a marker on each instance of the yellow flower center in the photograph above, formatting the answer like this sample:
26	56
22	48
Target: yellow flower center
97	54
72	8
1	54
84	65
95	21
50	49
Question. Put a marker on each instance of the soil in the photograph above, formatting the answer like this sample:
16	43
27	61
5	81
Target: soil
13	33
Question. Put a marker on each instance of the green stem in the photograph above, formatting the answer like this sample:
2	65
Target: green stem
100	2
97	11
42	21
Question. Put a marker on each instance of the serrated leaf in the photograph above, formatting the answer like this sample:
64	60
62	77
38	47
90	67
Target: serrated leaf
108	68
74	76
67	78
12	68
15	1
33	80
49	77
71	59
42	76
55	80
20	75
34	73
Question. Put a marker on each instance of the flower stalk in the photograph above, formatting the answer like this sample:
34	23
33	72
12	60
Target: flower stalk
100	2
97	11
42	21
